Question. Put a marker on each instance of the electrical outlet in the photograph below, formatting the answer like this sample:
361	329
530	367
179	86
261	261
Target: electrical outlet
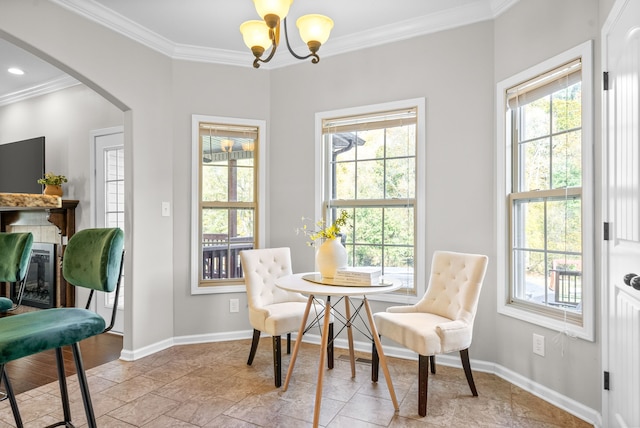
234	305
538	344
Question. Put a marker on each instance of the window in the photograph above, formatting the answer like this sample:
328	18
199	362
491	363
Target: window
373	169
548	248
227	206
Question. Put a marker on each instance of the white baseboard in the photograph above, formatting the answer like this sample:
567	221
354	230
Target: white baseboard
565	403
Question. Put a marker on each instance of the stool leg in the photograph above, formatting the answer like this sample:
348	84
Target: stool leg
62	381
12	398
84	386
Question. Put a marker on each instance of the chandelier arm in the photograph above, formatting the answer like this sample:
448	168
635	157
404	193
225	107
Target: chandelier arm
315	56
274	47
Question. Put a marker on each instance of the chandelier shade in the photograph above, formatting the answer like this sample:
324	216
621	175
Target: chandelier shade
280	8
259	36
255	33
314	28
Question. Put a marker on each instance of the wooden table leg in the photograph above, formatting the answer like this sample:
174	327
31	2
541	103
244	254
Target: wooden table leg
352	357
323	352
292	361
383	359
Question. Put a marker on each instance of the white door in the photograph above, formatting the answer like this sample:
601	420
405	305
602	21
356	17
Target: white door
621	355
108	149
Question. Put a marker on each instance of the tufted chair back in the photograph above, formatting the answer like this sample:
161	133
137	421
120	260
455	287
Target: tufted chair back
454	286
261	268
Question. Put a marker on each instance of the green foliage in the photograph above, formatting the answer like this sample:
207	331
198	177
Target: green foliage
51	179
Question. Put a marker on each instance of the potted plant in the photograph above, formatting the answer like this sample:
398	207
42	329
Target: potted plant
52	183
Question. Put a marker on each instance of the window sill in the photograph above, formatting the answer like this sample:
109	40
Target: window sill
563	327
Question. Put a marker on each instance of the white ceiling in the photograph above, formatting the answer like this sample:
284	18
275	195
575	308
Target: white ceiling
207	31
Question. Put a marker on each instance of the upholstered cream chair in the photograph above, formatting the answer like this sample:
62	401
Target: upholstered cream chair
442	321
273	310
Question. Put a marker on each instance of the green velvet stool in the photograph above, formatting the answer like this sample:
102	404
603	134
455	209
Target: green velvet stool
92	259
15	254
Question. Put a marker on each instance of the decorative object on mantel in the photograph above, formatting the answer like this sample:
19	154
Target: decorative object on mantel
331	254
262	35
29	200
52	183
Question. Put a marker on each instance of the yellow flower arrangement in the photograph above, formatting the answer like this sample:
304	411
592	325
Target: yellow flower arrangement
324	232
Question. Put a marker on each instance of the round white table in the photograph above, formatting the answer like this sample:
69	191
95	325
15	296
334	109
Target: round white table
312	284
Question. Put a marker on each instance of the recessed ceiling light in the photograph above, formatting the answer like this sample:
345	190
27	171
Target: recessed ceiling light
15	70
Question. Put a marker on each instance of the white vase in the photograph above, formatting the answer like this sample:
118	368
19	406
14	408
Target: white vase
331	256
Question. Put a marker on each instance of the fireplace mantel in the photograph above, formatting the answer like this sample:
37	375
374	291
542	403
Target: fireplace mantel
16	201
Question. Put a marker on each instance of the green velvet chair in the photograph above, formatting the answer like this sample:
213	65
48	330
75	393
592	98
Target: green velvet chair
93	260
15	253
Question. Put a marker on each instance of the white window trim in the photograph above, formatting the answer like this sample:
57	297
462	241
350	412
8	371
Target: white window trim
421	158
503	170
195	196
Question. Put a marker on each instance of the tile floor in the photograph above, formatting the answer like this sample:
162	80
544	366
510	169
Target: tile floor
210	385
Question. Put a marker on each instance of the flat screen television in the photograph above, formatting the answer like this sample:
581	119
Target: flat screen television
21	165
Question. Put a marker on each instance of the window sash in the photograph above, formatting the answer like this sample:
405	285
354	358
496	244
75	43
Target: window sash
367	122
517	97
230	149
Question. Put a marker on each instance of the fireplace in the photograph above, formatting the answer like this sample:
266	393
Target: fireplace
39	291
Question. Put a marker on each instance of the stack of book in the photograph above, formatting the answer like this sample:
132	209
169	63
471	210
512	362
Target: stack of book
365	276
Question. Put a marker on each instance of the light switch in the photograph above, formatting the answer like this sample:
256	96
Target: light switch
166	209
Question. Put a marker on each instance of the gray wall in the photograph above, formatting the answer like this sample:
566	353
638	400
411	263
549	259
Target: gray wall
525	35
456	71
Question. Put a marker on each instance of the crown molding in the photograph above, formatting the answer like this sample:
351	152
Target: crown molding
120	24
476	12
42	89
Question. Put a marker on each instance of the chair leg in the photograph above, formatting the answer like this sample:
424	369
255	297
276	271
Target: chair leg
12	397
375	362
62	382
423	381
464	357
330	347
432	363
254	346
277	361
84	386
288	343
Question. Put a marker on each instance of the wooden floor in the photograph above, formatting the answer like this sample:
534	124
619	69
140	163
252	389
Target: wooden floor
40	369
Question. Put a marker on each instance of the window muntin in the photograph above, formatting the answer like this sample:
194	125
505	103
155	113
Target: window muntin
560	182
371	173
227	197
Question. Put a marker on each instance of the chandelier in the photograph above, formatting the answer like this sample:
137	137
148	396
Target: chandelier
262	35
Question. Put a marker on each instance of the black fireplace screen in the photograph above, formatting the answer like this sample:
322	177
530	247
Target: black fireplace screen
39	290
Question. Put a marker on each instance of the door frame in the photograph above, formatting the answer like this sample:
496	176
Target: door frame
94	135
